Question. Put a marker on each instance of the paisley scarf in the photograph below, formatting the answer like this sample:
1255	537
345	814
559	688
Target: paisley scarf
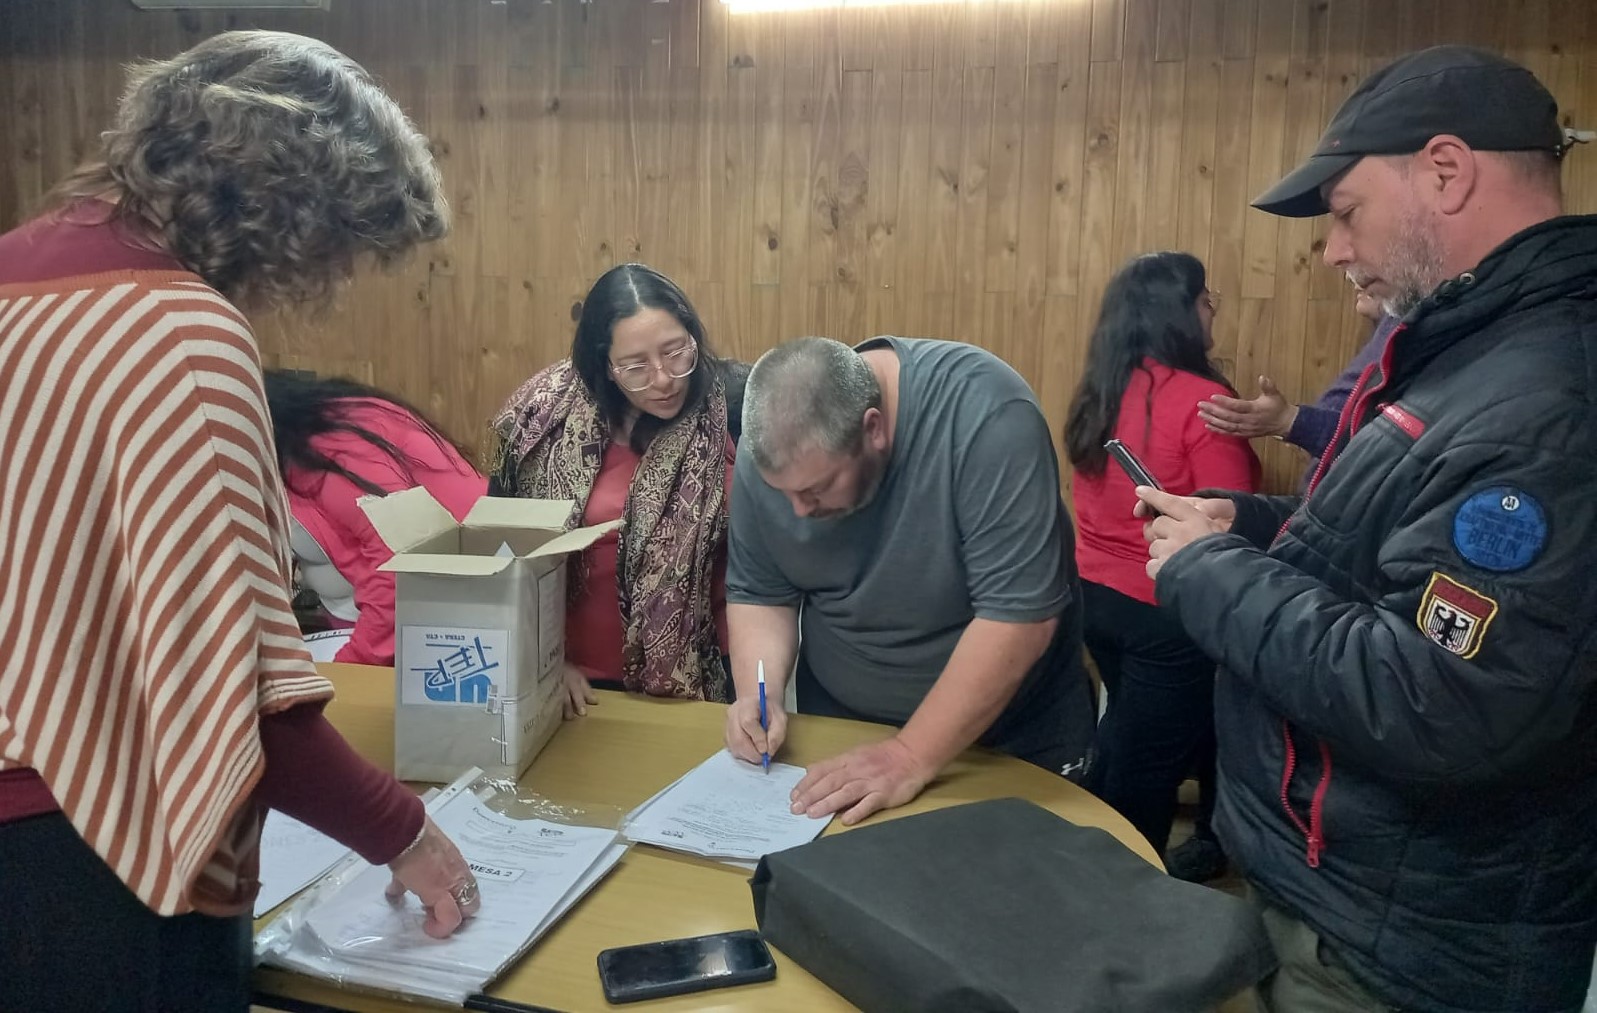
550	439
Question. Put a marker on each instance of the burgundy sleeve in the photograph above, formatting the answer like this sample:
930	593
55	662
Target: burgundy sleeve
313	775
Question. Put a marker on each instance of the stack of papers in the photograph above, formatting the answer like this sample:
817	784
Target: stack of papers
530	872
727	810
293	856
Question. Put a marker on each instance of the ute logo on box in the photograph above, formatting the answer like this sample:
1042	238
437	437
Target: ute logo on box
452	665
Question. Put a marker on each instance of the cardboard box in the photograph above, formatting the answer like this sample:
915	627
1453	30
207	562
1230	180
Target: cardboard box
479	629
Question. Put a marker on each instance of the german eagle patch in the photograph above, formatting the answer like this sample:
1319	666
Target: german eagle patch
1455	617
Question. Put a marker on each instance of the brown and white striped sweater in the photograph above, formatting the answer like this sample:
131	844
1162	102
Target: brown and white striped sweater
143	571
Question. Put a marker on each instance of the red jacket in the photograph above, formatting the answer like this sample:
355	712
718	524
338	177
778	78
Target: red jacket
326	505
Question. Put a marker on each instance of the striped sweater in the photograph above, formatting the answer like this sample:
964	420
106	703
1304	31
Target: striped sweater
143	567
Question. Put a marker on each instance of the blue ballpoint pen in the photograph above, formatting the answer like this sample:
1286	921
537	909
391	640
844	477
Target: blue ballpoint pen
765	758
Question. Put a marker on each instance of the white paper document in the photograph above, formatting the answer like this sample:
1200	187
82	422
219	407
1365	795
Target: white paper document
726	809
524	868
293	856
529	871
324	645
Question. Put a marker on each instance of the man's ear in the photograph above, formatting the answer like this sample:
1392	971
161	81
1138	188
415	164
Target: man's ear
1448	170
875	427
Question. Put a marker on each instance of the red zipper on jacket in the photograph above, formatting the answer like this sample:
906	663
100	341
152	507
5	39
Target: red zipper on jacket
1334	448
1314	830
1347	422
1362	398
1344	424
1352	410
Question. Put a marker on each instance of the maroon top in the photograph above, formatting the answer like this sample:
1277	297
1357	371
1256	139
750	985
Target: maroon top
311	773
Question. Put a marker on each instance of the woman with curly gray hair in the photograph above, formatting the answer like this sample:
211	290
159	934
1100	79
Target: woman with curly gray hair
156	697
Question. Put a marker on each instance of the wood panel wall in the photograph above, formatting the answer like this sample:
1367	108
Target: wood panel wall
973	169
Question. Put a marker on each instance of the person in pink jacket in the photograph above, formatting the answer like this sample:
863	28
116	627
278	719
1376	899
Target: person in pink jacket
337	441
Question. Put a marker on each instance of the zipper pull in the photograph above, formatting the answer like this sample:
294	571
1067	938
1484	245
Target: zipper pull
1315	845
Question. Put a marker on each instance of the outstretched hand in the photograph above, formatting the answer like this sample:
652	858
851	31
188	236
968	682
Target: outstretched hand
1269	414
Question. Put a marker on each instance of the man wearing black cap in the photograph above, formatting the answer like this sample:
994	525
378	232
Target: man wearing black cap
1408	717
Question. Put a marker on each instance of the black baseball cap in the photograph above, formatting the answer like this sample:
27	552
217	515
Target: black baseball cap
1486	100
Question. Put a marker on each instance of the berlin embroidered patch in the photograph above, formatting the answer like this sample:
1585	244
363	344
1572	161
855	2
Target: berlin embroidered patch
1502	529
1455	617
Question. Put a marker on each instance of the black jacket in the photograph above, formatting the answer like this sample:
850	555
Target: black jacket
1408	712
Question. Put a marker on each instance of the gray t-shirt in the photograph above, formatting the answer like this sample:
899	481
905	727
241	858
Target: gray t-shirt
968	522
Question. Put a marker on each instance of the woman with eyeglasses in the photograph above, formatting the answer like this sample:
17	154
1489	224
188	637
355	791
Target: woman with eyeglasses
1147	366
633	427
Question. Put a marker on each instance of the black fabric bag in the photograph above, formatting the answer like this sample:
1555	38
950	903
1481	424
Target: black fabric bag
1003	906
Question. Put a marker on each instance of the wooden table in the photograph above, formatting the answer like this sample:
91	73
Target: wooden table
624	750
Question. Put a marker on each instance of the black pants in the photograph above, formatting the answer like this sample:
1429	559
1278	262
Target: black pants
73	938
1160	718
1208	787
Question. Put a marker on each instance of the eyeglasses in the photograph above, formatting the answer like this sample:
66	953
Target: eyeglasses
1212	299
639	375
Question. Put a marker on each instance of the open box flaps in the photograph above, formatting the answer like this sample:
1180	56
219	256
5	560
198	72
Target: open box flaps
479	628
408	518
426	539
510	512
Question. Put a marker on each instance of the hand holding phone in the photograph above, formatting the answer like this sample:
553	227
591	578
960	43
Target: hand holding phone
680	966
1134	469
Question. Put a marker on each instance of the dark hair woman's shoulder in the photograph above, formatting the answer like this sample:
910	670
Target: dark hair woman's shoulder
1186	382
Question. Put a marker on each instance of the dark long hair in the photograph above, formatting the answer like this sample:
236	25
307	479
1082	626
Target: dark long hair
305	407
618	294
735	375
1149	311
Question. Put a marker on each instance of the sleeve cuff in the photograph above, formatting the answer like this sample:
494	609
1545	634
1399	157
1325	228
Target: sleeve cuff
1312	429
769	601
1003	614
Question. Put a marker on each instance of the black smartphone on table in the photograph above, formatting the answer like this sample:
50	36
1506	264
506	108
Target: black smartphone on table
680	966
1134	469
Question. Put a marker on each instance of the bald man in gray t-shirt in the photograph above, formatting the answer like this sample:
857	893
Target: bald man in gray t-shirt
929	554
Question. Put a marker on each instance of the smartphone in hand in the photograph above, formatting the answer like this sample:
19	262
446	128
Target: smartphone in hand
1134	469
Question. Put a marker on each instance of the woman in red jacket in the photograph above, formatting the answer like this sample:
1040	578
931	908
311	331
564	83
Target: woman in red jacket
337	441
1147	366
